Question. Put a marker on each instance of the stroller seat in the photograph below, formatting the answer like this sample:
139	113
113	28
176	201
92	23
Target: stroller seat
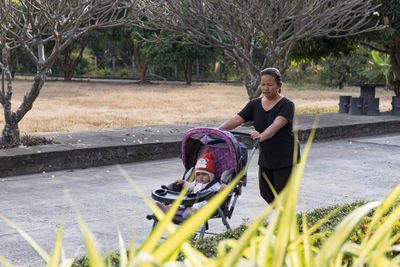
230	156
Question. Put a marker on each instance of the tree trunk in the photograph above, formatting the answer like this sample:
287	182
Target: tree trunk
389	82
395	61
341	80
252	82
11	134
396	87
302	70
187	71
69	65
143	72
12	64
142	68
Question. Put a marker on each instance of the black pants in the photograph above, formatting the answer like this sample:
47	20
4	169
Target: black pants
278	179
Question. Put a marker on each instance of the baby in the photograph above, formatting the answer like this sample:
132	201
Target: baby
204	172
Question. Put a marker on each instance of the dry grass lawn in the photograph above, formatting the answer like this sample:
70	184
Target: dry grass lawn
74	106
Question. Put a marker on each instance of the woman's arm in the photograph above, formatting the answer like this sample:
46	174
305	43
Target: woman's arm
278	123
232	123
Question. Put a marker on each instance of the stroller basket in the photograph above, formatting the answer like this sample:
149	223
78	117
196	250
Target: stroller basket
230	156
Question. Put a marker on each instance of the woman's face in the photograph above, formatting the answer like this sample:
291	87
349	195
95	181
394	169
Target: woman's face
269	87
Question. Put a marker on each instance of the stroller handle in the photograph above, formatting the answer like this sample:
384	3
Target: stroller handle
255	145
240	133
248	135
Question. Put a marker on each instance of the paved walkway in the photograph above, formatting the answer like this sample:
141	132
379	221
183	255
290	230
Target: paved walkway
105	147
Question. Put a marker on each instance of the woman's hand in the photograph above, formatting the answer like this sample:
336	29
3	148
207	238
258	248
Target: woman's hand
255	135
278	123
180	181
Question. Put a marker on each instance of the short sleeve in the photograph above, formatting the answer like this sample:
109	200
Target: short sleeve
287	111
247	112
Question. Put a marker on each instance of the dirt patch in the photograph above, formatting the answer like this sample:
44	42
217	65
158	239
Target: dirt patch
74	106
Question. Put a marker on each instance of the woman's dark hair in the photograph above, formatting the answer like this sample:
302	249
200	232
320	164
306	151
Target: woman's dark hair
274	73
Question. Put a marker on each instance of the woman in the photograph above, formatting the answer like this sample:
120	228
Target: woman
272	115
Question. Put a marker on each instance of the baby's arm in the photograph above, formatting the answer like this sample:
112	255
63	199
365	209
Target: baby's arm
185	183
180	181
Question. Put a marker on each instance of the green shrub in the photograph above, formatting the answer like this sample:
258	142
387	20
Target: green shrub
318	214
124	73
105	72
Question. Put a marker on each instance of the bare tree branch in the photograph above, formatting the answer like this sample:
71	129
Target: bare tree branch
373	47
270	28
32	24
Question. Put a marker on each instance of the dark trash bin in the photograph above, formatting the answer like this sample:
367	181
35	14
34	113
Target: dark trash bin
344	103
372	107
368	90
356	106
396	105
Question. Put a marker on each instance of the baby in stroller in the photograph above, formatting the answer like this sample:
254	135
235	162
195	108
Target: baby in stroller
216	153
204	172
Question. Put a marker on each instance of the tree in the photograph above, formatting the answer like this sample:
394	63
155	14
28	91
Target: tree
338	69
270	28
70	57
388	40
141	60
115	42
32	24
178	51
380	69
332	53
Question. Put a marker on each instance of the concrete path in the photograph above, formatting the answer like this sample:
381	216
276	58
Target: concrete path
104	147
338	171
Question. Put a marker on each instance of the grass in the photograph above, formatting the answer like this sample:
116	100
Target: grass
77	106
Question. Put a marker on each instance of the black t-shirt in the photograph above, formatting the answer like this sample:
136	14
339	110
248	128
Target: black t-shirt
277	151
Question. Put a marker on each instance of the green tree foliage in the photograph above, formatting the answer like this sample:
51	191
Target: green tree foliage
179	51
315	49
387	40
380	69
342	68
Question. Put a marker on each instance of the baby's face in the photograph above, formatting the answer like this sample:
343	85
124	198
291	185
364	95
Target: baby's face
202	177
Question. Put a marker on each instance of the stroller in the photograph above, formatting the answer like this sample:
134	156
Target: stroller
230	156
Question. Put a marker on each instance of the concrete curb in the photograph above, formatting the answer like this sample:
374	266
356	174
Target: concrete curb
106	147
349	131
80	158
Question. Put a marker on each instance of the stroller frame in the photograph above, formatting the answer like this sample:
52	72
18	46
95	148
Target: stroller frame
222	144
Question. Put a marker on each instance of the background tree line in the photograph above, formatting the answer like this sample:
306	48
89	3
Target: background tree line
119	53
134	52
68	38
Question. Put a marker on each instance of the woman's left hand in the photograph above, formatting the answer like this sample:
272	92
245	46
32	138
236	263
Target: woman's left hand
255	135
